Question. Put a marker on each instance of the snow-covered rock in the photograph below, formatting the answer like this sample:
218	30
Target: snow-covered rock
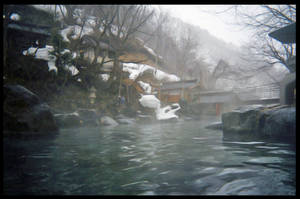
108	121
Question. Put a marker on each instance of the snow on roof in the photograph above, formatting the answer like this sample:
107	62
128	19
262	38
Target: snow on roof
135	70
44	54
150	50
138	69
147	88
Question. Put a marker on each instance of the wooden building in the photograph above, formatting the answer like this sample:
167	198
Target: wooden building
173	92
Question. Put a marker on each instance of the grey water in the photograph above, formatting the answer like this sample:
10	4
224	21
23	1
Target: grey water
180	158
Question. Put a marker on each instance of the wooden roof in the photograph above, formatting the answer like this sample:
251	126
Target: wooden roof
286	34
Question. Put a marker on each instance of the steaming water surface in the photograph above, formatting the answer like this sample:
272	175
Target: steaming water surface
152	159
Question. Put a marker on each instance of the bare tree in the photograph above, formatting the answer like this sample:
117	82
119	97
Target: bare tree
187	51
264	20
127	22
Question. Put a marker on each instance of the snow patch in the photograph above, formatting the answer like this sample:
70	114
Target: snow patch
75	30
73	69
105	77
44	54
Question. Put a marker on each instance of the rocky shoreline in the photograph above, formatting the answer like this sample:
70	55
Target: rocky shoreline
25	113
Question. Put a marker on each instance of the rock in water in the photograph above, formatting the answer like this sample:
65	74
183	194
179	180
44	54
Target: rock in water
277	122
280	123
25	112
108	121
68	120
243	121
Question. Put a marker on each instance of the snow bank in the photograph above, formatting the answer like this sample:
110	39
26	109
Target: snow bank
167	112
136	70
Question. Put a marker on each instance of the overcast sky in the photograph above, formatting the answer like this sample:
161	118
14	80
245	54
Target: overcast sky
219	25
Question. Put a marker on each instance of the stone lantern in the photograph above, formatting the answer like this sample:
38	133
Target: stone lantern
92	95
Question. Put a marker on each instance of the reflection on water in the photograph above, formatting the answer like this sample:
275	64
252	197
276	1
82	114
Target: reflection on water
180	158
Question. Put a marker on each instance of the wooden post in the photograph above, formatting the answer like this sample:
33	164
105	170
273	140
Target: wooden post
217	109
127	93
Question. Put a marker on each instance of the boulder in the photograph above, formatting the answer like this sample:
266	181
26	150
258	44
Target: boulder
274	122
108	121
68	120
24	111
280	123
243	121
124	120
